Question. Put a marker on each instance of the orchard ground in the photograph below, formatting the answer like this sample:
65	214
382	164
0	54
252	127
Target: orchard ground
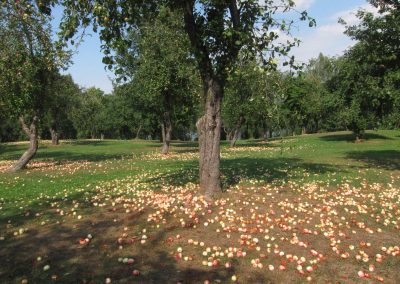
316	208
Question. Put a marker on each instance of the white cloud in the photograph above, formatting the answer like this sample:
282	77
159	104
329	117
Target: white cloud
299	4
350	16
303	4
328	38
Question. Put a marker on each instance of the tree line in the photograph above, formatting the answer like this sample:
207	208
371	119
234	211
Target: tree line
186	68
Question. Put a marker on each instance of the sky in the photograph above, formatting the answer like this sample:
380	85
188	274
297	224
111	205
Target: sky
327	37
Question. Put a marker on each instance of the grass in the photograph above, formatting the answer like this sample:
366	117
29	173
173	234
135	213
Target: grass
284	200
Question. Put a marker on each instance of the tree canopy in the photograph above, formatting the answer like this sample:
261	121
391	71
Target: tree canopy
29	63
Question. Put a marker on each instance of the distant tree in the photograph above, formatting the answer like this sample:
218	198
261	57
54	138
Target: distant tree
327	106
88	114
369	74
303	103
64	95
238	106
8	131
29	61
320	69
129	114
252	97
163	71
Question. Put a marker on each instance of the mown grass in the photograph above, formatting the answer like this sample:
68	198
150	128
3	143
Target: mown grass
75	175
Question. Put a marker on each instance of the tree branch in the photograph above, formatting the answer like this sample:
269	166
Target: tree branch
32	127
25	127
200	50
235	15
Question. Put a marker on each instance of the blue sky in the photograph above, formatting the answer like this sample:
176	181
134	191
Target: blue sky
328	38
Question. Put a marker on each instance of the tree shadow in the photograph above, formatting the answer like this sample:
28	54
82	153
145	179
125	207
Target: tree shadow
386	159
60	154
58	246
235	170
8	151
184	147
269	169
350	137
261	144
178	144
75	156
272	139
89	142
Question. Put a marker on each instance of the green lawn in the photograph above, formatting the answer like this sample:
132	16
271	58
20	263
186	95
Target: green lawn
115	189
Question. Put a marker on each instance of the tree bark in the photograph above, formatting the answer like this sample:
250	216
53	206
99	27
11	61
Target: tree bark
303	130
230	134
358	135
138	131
237	130
209	129
54	136
267	134
166	131
32	133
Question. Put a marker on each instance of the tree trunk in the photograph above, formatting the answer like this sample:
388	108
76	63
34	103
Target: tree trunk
166	131
358	135
237	130
138	131
235	137
32	133
54	136
303	130
230	134
209	129
267	134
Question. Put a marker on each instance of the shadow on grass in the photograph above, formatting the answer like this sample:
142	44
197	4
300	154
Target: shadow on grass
58	246
79	156
350	137
261	144
11	151
62	156
386	159
262	169
90	142
60	153
179	144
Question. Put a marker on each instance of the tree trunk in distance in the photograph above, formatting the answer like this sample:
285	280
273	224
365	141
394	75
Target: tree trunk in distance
358	137
303	130
237	130
32	133
138	132
267	134
54	136
166	129
209	129
229	136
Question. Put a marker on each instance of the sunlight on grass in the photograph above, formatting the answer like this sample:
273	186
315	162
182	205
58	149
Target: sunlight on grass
314	208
